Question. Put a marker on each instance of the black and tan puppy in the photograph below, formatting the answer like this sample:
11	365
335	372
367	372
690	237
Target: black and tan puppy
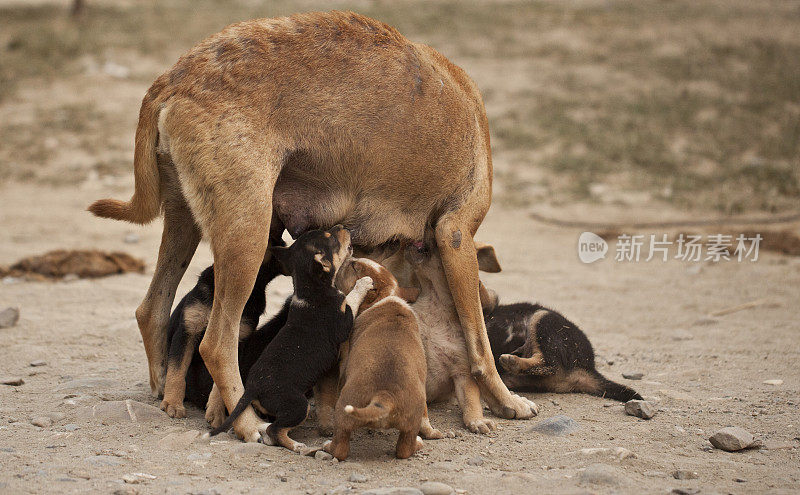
319	320
186	328
537	349
381	386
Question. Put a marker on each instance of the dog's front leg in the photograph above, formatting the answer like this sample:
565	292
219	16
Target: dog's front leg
459	258
357	295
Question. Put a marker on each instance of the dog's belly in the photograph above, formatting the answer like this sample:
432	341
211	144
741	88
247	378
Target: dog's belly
445	348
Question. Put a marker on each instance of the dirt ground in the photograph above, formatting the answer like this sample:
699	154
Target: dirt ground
600	111
702	372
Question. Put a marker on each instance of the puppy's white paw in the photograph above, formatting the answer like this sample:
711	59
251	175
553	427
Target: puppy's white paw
365	284
262	428
267	440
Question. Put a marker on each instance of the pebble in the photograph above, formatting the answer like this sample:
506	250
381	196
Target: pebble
685	491
732	439
321	455
633	375
598	474
131	238
393	490
357	477
704	322
199	457
476	461
640	409
116	411
71	427
436	488
14	381
38	363
773	382
178	441
685	474
620	453
9	317
41	421
556	426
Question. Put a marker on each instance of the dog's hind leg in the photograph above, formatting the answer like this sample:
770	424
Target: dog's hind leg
454	233
426	430
292	412
468	395
178	244
407	443
339	446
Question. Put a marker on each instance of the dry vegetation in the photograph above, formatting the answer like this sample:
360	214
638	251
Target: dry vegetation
692	103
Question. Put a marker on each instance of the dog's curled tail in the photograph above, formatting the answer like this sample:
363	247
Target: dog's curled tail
145	205
243	404
614	390
379	407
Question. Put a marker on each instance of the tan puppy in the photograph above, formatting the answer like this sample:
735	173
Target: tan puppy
298	123
384	371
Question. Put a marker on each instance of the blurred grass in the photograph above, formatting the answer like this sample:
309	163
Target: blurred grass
695	103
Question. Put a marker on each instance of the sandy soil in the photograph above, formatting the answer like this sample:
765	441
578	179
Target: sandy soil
702	372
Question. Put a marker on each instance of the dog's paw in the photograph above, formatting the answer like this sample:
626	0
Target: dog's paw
482	426
325	431
327	446
509	363
433	434
215	416
267	440
299	447
515	407
364	284
175	410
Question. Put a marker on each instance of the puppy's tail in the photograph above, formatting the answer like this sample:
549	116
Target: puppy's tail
145	205
613	390
243	404
379	407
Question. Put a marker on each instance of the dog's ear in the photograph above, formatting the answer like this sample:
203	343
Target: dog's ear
408	294
489	299
282	256
487	260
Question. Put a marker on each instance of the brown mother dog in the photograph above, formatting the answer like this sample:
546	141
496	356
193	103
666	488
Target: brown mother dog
304	122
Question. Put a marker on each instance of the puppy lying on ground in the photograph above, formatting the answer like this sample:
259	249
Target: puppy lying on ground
384	370
319	320
445	347
537	349
186	328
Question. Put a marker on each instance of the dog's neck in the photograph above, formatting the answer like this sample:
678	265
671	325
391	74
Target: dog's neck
313	289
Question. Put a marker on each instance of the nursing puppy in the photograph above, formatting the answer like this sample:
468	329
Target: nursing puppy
186	328
319	320
384	370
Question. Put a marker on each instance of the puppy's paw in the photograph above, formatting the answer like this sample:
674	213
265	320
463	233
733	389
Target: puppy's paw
327	446
215	416
364	284
173	410
482	426
432	434
419	445
515	407
510	363
267	440
325	431
299	447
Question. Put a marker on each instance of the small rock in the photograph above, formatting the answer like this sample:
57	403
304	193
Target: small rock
199	457
321	455
41	421
773	382
705	322
178	441
476	461
633	375
71	427
249	448
740	480
436	488
555	426
598	474
70	277
131	238
38	363
732	439
14	381
9	317
685	491
640	409
358	478
685	474
392	490
115	411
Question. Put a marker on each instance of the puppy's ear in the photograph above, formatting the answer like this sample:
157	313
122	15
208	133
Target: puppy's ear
487	260
282	256
409	294
489	299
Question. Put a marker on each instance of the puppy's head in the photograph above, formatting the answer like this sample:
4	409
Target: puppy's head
384	283
315	255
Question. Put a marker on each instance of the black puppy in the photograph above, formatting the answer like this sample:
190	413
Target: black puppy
319	320
187	376
537	349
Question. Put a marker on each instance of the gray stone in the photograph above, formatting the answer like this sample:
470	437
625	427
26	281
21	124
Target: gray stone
144	412
685	474
9	317
83	384
321	455
358	478
436	488
598	474
14	381
199	457
640	409
41	421
38	362
633	375
71	427
476	461
393	490
732	439
103	460
685	491
117	411
249	448
178	441
556	426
